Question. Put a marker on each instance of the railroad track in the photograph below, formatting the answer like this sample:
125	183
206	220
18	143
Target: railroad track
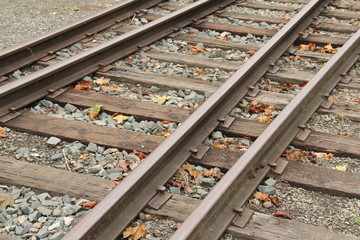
258	59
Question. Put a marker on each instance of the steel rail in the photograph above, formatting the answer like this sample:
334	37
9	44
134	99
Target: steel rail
26	90
121	205
218	209
27	52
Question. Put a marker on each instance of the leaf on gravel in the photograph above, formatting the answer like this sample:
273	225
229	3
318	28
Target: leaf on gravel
179	185
302	84
102	81
251	52
196	49
264	119
295	58
286	17
89	204
123	164
262	196
120	119
341	168
177	226
287	86
283	214
326	156
190	169
2	130
357	101
294	156
135	233
276	201
83	85
271	89
6	200
94	111
219	145
160	99
141	155
225	38
307	47
212	173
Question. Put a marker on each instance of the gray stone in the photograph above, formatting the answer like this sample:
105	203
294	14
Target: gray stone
16	74
267	204
217	135
52	202
207	182
43	232
216	169
57	236
95	169
270	182
44	211
267	189
24	207
245	142
114	175
128	126
3	217
80	47
132	158
56	156
100	122
200	168
53	141
175	190
202	193
57	213
70	108
69	209
22	152
57	225
207	142
46	103
92	147
33	217
75	152
12	210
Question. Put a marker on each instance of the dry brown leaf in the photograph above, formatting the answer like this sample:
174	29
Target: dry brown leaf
262	196
325	156
135	233
92	114
251	52
196	49
177	226
266	119
295	58
2	130
179	185
6	200
83	85
102	81
286	17
89	204
212	173
276	201
189	168
225	38
345	134
294	156
283	214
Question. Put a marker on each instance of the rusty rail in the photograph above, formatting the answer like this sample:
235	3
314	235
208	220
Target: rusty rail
27	52
225	201
117	209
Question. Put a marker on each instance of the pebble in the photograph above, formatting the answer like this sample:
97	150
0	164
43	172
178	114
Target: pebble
175	190
217	135
267	189
53	141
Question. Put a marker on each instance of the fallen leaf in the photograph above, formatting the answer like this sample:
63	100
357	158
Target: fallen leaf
251	52
133	95
316	30
196	49
190	169
115	184
283	214
179	185
325	156
76	9
94	111
123	164
341	168
177	226
2	130
287	86
295	58
219	145
102	81
345	134
165	122
212	173
6	200
286	17
141	155
120	119
294	156
160	99
302	84
266	119
357	101
357	220
276	201
89	204
225	38
83	85
271	89
135	233
261	196
307	47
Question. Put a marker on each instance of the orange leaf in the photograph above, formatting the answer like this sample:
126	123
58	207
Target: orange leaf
165	122
262	196
295	58
286	17
294	156
271	89
196	49
83	85
264	119
276	201
141	155
179	185
225	38
212	173
189	168
135	233
123	164
2	130
89	204
283	214
92	114
177	226
219	145
357	101
101	81
326	156
251	52
345	134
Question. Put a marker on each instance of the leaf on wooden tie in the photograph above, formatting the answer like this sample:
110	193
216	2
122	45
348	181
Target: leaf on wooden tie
102	81
341	168
325	156
212	173
120	119
2	130
276	201
135	233
94	111
196	49
83	85
286	17
6	200
261	196
160	99
89	204
345	134
307	47
283	214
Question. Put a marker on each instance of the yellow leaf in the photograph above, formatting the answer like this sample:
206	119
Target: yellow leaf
341	168
160	99
6	200
135	233
101	81
120	119
76	9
